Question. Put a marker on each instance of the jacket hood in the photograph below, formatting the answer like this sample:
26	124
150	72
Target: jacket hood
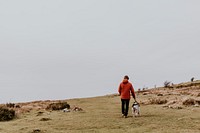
125	81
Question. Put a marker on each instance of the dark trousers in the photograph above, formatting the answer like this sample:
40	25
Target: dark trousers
125	106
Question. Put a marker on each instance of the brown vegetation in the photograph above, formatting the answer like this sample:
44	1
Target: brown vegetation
6	114
157	101
189	101
45	119
159	106
58	106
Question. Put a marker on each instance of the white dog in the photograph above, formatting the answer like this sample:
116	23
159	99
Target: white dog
135	109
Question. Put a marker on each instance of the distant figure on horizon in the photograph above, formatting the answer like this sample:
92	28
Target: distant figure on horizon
192	79
124	90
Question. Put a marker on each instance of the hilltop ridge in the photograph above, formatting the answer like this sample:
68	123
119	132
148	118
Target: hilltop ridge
172	96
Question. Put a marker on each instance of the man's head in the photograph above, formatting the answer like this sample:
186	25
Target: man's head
126	77
125	80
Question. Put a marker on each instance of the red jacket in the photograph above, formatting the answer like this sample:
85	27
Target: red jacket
124	90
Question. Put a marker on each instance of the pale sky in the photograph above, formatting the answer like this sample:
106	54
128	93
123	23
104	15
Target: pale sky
61	49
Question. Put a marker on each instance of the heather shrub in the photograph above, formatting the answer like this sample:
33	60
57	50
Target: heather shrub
6	114
167	84
58	106
189	101
10	105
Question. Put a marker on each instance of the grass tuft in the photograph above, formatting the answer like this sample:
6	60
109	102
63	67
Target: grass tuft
157	101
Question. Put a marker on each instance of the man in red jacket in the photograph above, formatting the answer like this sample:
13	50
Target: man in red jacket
124	90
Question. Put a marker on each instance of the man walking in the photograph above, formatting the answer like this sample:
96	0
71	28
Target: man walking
124	90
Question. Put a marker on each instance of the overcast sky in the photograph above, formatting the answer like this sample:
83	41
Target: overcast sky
60	49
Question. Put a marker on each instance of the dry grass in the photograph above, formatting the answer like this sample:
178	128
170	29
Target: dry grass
102	115
157	101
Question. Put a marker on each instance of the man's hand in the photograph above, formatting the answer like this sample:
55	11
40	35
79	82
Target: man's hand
135	99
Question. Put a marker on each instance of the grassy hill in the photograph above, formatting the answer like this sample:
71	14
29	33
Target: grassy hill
173	109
